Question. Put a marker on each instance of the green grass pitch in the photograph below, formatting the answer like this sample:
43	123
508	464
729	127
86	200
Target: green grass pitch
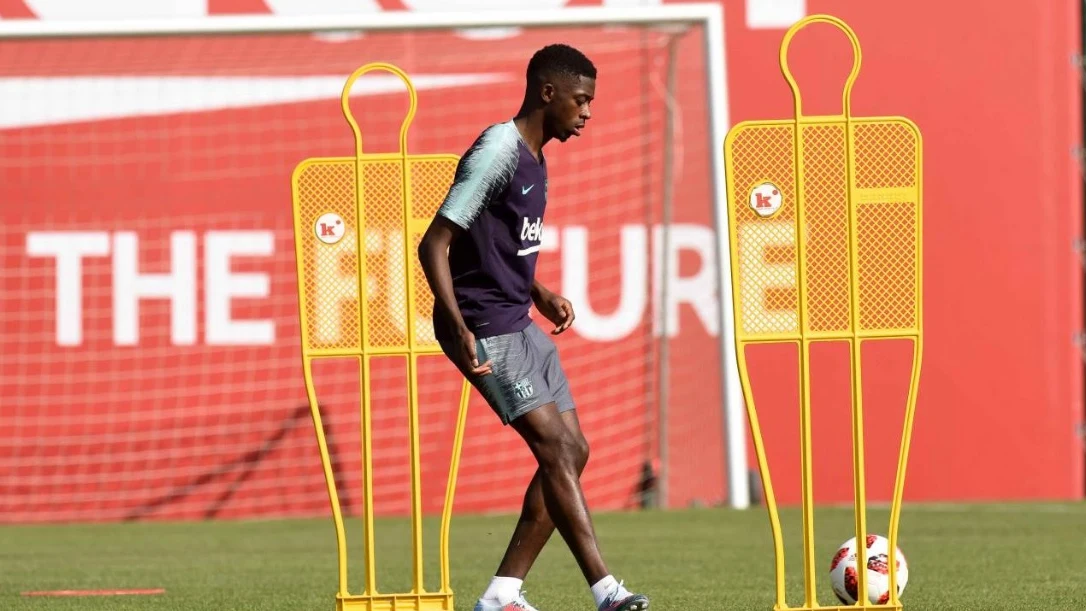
1017	557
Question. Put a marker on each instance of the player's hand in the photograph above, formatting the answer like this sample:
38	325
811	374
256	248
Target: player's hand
468	360
558	310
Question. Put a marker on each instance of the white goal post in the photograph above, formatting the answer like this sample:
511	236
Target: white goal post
707	16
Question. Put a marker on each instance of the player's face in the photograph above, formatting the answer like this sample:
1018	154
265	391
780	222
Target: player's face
568	107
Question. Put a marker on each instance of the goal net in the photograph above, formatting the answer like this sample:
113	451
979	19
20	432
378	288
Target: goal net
151	359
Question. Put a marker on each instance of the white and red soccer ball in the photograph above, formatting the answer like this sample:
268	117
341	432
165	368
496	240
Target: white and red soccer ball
845	578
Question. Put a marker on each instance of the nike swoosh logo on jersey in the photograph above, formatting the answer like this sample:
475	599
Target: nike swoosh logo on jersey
524	190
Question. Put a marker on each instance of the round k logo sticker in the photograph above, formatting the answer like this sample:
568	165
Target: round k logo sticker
330	228
765	199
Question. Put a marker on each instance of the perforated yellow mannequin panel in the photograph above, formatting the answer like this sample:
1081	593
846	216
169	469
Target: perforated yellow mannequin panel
361	293
825	222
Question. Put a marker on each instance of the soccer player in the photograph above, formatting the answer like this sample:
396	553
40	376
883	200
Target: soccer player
479	256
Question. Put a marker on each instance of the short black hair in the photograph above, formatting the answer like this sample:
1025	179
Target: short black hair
559	60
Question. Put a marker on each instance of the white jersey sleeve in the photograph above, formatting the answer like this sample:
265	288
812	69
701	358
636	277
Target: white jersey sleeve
482	174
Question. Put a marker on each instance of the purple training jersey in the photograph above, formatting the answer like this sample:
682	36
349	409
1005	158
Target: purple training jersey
498	197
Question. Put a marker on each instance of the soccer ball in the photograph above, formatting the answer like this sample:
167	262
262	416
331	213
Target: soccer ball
845	579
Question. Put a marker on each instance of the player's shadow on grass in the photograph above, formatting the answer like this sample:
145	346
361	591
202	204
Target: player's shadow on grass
245	465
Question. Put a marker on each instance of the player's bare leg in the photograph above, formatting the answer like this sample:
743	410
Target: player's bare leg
535	526
561	455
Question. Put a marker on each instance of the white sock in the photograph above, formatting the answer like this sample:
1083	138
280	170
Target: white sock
503	590
605	586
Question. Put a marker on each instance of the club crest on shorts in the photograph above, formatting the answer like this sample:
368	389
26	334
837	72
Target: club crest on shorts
523	389
765	199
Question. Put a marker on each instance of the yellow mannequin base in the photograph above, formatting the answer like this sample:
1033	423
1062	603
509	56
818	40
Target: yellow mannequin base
395	602
865	607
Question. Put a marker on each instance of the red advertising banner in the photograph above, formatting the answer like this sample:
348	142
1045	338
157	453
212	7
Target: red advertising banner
151	366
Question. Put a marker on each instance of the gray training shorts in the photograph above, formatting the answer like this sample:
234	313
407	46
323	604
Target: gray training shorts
525	373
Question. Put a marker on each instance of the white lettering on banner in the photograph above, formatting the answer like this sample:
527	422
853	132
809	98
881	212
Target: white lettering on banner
550	242
441	6
424	6
631	3
632	285
394	255
179	284
760	13
68	248
328	271
698	290
322	7
774	14
222	286
758	276
130	286
116	9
